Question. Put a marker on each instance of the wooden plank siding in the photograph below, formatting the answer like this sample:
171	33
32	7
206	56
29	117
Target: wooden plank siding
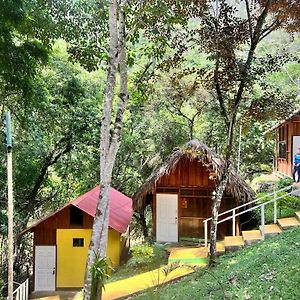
190	181
45	232
285	132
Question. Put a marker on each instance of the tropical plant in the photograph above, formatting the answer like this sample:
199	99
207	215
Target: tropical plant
100	271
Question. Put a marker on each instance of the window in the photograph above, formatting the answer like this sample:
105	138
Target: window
76	216
78	242
282	149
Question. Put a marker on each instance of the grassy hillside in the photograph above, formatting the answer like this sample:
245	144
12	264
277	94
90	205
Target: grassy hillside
268	270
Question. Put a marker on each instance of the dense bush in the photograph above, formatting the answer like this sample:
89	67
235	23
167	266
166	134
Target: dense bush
286	206
284	182
144	256
141	255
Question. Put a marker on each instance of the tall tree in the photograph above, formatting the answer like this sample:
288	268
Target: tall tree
224	32
109	141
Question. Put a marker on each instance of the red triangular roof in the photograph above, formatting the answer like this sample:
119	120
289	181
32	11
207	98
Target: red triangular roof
120	210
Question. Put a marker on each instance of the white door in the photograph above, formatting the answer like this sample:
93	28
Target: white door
45	261
166	218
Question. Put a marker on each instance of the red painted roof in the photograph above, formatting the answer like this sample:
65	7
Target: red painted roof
120	210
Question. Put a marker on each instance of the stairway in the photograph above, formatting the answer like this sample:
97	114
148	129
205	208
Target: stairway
199	256
248	237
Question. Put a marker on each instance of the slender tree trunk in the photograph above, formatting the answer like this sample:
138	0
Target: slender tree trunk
109	143
230	122
100	226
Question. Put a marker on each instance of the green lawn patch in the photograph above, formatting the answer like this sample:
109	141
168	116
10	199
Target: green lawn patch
267	270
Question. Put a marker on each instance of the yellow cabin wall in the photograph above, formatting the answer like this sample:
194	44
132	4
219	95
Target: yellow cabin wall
114	247
71	261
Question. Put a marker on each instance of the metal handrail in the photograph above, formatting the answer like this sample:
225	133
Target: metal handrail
261	205
255	200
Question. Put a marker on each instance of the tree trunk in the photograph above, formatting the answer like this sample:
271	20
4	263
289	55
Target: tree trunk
100	227
109	144
230	122
98	239
215	212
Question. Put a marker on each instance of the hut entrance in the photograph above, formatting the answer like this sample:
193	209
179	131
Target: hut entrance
195	208
167	217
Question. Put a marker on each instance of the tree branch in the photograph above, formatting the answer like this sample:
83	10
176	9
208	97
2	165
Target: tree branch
249	19
219	94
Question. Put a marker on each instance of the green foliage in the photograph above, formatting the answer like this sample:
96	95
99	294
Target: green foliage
134	267
141	254
286	206
21	53
284	182
1	289
142	250
267	270
100	273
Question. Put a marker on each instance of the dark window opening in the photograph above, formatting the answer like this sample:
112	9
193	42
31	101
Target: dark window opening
78	242
282	149
76	216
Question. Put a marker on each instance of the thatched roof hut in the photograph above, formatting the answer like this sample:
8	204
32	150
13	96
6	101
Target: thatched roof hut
194	150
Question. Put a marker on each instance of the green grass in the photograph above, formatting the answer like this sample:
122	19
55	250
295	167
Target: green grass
132	268
267	270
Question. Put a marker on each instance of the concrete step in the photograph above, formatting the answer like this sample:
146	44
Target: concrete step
251	236
233	243
271	230
220	247
287	223
297	214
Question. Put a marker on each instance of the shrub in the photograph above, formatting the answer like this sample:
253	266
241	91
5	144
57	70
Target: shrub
286	206
141	255
142	250
284	182
100	273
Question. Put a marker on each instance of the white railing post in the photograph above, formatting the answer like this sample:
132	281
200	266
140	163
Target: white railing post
205	233
275	207
233	222
22	291
27	289
263	222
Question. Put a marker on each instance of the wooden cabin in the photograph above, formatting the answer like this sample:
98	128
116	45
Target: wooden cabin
61	239
180	193
287	141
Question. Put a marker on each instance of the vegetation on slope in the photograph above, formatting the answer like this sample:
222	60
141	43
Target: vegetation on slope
268	270
147	258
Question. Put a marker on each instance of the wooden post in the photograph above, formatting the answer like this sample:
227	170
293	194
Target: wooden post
10	209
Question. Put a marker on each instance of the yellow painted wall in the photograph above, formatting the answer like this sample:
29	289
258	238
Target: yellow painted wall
71	261
114	247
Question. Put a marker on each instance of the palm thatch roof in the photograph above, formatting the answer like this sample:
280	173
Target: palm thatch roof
194	149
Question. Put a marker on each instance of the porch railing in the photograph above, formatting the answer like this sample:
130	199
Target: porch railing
22	291
234	212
